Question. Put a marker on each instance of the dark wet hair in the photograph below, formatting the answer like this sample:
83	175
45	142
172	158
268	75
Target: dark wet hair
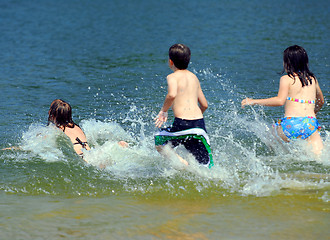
295	60
180	55
60	113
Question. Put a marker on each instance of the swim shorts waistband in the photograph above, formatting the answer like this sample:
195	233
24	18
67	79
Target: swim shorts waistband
195	140
180	124
193	131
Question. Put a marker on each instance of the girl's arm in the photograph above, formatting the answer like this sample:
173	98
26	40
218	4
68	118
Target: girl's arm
319	98
279	100
12	148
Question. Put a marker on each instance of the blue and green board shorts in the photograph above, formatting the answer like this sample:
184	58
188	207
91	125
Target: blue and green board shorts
191	134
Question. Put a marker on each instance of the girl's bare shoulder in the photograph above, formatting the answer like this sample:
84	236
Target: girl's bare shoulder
286	79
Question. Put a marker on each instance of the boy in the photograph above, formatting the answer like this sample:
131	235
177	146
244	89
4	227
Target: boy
188	103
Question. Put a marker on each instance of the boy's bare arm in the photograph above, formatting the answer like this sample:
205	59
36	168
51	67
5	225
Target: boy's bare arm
169	99
172	89
203	105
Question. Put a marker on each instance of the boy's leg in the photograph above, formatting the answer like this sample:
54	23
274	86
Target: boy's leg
197	148
167	151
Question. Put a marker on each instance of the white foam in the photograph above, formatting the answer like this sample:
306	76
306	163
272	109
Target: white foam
41	140
247	157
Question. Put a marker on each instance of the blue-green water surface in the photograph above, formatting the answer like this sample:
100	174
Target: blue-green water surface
108	59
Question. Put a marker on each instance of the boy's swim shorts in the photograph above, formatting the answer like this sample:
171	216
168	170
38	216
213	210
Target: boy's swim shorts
191	134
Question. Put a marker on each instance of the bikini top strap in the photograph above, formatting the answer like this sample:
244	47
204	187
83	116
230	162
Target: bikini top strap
300	100
83	144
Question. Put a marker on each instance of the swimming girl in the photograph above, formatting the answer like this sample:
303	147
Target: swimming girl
300	92
60	114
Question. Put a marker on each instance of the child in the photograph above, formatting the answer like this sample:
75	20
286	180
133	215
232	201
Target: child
300	92
60	114
188	103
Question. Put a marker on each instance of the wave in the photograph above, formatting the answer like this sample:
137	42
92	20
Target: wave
248	158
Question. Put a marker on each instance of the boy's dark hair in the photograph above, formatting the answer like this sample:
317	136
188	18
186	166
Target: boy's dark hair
295	61
180	55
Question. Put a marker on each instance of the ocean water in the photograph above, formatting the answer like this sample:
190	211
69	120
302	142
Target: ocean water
108	59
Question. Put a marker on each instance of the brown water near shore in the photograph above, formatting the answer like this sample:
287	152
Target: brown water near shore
291	215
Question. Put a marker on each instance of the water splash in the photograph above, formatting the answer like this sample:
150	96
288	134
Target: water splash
248	158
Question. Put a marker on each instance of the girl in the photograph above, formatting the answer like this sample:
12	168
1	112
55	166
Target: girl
300	92
60	114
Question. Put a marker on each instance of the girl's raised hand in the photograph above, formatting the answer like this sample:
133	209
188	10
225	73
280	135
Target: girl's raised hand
246	101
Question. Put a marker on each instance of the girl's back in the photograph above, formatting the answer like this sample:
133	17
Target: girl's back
301	100
73	134
300	92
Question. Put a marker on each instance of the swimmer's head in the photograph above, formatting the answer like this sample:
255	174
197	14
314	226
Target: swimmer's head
295	61
60	113
180	55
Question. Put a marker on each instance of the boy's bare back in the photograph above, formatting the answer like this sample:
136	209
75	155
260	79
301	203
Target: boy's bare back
186	98
189	101
184	95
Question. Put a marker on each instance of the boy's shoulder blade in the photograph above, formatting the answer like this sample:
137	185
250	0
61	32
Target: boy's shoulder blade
172	76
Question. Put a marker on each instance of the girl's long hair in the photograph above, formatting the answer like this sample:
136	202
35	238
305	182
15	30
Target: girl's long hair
60	113
295	61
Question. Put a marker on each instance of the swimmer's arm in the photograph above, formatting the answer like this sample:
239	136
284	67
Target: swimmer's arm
172	90
12	148
279	100
123	144
319	98
169	99
203	105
